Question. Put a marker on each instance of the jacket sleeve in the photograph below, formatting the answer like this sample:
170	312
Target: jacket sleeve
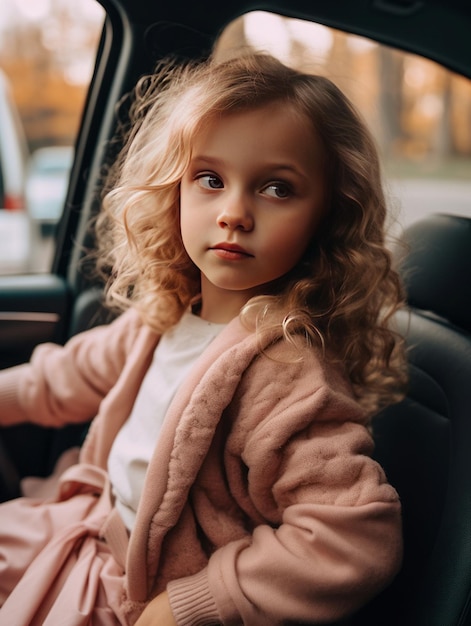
65	384
333	534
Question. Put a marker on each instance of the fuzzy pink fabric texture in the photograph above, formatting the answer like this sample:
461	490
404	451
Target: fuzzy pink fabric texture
261	503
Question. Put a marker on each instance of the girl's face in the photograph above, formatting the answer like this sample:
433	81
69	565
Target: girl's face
250	202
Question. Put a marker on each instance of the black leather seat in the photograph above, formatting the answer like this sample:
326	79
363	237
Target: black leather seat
437	268
424	443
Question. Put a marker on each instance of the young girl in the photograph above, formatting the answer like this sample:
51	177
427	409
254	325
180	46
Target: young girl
226	477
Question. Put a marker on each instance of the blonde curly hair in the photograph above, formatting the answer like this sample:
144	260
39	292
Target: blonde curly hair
343	293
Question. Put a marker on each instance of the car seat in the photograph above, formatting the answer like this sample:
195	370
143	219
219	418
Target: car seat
424	443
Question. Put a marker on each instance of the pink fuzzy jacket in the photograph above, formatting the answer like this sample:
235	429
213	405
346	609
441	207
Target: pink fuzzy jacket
261	504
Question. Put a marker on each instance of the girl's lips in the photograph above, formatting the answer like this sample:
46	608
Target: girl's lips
230	251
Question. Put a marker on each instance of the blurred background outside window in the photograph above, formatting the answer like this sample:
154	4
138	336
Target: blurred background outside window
419	113
47	55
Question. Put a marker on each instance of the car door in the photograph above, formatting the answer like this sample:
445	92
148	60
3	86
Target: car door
54	304
38	305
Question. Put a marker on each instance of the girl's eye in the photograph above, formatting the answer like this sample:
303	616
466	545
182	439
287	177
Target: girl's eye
210	181
278	190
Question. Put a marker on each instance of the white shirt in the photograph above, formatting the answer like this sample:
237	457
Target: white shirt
132	449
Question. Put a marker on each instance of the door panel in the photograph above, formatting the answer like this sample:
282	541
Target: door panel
33	309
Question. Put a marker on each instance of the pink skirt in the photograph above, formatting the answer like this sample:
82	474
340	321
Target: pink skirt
55	566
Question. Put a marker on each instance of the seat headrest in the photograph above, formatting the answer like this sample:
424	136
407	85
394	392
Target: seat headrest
437	267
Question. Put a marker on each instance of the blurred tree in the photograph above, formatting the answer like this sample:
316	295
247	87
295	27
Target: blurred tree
390	99
339	61
442	143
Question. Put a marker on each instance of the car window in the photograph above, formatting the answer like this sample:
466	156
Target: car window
419	113
47	54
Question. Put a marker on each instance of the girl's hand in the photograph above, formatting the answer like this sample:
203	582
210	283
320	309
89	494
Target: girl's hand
157	613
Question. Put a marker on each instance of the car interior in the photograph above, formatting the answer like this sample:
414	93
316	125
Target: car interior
424	443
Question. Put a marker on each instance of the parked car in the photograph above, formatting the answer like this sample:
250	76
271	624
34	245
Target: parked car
46	186
13	151
424	443
14	227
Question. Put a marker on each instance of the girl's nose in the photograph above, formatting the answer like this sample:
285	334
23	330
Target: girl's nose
236	215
